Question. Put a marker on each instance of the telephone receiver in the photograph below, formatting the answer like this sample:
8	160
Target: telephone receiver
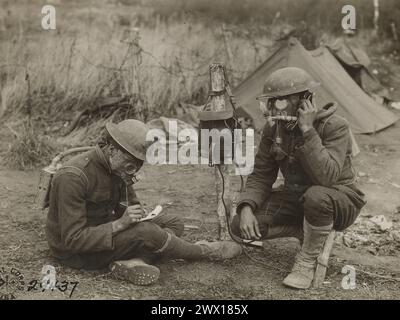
308	96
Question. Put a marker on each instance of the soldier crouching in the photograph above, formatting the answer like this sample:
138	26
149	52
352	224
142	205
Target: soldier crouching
313	151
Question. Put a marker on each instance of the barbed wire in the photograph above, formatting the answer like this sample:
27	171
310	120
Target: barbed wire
98	65
176	69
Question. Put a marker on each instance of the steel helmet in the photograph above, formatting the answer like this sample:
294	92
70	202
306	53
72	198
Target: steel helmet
130	134
286	81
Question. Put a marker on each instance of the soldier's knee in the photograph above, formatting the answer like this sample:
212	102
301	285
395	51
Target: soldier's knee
175	223
318	206
142	229
235	225
149	234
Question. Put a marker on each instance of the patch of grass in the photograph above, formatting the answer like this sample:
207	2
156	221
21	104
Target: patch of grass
29	149
89	57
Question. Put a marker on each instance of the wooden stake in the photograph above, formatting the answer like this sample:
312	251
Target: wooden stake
137	60
323	259
134	53
228	49
217	76
223	233
217	103
376	17
394	31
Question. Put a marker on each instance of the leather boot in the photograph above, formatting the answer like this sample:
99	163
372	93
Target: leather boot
136	271
303	269
177	248
220	250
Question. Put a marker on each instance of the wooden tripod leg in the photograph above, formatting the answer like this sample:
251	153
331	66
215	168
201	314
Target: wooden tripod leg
323	258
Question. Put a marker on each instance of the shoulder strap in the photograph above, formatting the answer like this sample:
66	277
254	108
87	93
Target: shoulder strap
79	171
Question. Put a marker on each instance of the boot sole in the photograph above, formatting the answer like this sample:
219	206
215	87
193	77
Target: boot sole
293	286
142	275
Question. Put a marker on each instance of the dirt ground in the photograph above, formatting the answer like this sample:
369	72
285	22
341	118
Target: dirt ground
190	192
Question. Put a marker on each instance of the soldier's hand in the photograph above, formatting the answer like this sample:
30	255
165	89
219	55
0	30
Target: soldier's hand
131	215
307	114
136	209
249	228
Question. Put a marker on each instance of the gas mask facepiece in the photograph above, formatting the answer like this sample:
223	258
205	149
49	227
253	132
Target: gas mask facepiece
127	168
129	174
275	110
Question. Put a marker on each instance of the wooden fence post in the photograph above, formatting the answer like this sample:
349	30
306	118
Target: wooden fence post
217	103
376	17
394	31
228	50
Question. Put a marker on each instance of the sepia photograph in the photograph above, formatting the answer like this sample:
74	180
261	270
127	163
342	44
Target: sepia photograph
221	153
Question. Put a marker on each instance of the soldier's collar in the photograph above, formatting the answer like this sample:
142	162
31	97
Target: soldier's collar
103	159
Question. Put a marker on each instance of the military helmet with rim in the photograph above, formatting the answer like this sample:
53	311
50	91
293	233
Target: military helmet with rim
287	81
130	135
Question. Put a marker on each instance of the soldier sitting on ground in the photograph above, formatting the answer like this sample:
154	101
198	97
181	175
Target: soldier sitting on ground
312	148
87	227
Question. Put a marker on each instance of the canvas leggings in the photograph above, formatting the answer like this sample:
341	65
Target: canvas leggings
142	240
320	206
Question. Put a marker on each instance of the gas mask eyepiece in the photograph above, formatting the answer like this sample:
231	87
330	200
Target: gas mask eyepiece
274	109
281	104
130	171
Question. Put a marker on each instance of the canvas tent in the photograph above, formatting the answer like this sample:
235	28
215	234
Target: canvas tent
356	62
362	112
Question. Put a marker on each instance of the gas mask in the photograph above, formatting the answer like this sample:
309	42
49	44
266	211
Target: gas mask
129	174
128	171
276	111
